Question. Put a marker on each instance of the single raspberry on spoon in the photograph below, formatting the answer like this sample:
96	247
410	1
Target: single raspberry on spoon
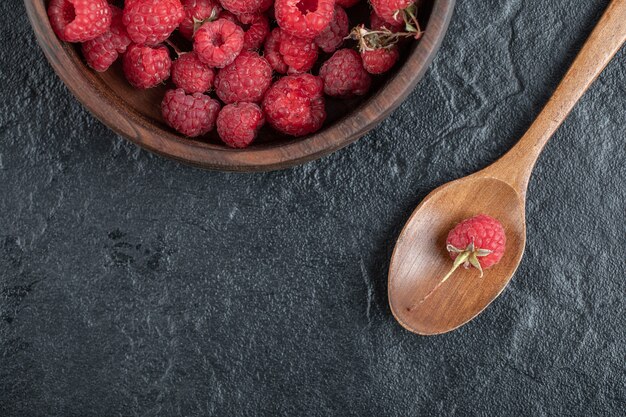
477	242
79	20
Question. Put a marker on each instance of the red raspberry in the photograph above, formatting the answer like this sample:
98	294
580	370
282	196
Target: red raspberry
145	66
192	75
192	115
79	20
246	79
295	105
150	22
377	23
238	124
239	7
196	12
388	9
304	18
272	52
333	36
379	61
346	3
104	50
300	54
218	43
479	240
258	27
344	75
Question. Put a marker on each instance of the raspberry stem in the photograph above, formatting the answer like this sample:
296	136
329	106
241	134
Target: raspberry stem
466	257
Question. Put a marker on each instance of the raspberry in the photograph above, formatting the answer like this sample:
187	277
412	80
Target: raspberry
295	105
146	67
388	10
246	79
346	3
298	53
377	23
238	124
197	11
379	61
192	75
218	43
79	20
258	27
482	236
344	76
104	50
332	37
150	22
304	18
192	115
272	52
239	7
479	242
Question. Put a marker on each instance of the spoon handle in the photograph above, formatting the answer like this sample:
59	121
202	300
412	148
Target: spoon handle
605	41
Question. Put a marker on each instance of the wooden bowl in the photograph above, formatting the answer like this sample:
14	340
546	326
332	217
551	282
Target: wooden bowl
136	116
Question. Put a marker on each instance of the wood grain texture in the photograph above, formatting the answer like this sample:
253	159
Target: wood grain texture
420	259
135	114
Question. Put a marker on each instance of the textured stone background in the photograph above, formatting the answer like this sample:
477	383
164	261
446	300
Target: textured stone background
131	285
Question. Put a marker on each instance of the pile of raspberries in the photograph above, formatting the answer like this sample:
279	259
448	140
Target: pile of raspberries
255	55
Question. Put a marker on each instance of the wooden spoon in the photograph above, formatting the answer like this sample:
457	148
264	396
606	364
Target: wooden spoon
420	259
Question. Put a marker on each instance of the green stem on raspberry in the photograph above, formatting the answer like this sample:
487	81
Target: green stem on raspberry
466	257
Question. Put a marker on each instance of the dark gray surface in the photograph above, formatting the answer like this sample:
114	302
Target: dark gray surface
134	286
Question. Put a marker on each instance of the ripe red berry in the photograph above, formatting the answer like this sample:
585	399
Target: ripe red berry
391	10
304	18
239	7
101	52
333	36
145	66
79	20
190	74
298	53
295	105
379	61
272	52
480	241
344	76
192	115
196	12
246	79
477	242
347	3
218	43
258	27
238	124
150	22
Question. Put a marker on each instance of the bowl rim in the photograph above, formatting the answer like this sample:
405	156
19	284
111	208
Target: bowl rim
110	109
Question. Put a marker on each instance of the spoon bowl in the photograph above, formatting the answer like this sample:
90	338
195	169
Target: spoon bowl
420	258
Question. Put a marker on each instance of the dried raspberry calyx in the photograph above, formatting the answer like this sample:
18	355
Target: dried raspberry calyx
371	40
466	257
